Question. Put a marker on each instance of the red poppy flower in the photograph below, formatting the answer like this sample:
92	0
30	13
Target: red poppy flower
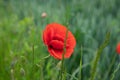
54	36
118	48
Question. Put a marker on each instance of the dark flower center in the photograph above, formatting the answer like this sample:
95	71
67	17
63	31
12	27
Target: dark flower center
56	44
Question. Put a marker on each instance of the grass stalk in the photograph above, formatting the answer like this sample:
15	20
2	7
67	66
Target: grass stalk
113	75
62	73
110	67
33	62
12	74
80	78
44	58
98	54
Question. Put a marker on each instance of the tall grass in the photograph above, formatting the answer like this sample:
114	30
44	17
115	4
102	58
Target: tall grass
21	26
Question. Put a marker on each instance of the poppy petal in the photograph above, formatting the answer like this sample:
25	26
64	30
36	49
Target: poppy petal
47	35
118	48
55	44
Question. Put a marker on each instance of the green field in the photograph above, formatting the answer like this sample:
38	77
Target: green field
23	55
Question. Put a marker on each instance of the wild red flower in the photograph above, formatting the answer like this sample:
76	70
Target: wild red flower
118	48
54	36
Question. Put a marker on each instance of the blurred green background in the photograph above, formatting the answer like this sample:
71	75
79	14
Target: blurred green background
22	49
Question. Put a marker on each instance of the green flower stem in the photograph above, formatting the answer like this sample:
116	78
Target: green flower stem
67	15
62	73
33	62
80	78
99	52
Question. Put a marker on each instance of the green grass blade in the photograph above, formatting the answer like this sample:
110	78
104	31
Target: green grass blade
110	67
113	75
99	52
80	78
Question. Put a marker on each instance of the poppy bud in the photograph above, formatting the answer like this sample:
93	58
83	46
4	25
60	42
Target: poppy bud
22	71
43	15
12	74
12	71
59	65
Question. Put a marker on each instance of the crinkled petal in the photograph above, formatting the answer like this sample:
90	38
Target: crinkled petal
56	44
47	35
